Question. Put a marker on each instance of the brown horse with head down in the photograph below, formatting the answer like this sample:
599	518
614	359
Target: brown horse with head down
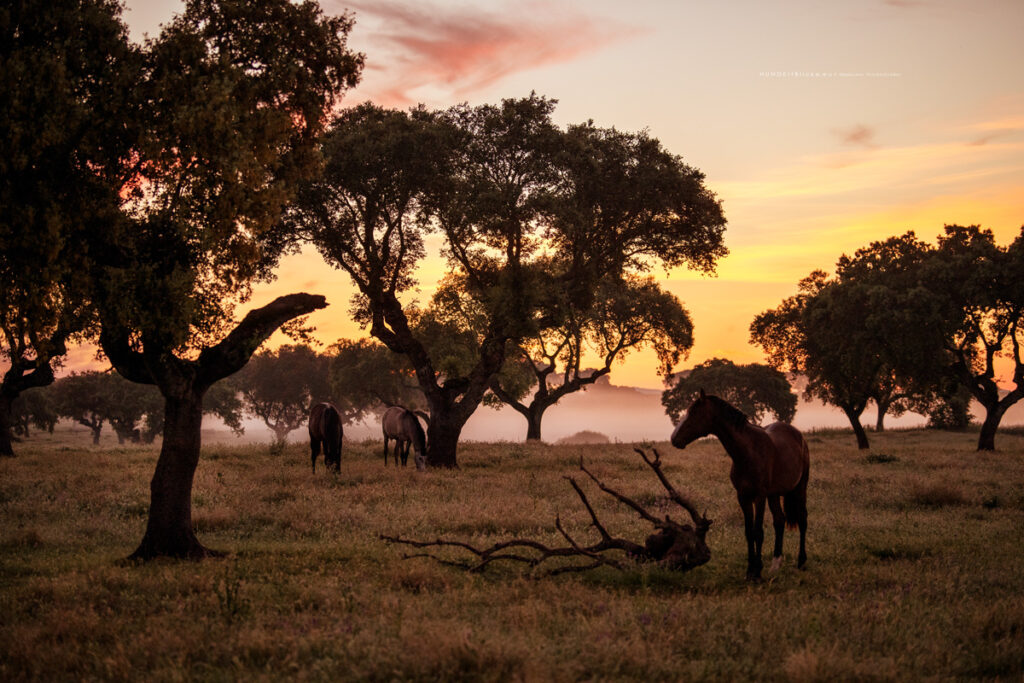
400	424
325	427
769	464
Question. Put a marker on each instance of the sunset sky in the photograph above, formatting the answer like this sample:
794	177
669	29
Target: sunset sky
821	126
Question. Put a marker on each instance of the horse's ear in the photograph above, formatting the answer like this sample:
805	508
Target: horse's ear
702	392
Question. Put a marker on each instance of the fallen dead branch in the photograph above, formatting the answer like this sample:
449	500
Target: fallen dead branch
675	545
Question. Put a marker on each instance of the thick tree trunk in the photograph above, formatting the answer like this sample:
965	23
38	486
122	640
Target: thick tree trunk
6	440
993	416
858	429
533	419
169	531
883	408
96	430
443	438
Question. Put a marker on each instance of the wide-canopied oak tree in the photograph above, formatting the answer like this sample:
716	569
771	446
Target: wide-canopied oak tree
233	96
67	132
518	217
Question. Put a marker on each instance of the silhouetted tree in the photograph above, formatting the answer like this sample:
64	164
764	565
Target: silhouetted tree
755	389
974	314
35	408
66	132
622	316
134	411
367	377
951	310
281	386
497	183
81	397
821	333
233	96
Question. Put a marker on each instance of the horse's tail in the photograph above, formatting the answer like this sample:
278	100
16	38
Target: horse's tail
794	503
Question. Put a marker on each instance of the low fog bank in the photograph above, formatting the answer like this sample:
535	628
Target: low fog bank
624	414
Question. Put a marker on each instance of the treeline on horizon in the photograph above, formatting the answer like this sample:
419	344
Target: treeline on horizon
146	189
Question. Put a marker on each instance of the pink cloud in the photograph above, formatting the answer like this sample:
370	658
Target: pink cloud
467	48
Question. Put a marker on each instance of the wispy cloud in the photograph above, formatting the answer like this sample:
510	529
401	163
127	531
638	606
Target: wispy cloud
420	48
858	136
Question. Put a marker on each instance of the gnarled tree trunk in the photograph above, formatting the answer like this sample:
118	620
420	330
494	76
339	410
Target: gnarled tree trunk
853	415
183	383
169	530
993	416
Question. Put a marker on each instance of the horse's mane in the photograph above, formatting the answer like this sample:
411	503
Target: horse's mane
732	415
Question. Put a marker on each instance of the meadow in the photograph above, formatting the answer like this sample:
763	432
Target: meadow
915	568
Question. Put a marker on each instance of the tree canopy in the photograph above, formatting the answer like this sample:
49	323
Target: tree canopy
68	130
623	316
280	386
520	216
903	323
755	389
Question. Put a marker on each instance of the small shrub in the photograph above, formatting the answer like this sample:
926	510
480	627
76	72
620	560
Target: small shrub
937	496
585	437
880	458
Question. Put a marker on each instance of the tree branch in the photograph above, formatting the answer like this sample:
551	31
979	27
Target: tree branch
234	351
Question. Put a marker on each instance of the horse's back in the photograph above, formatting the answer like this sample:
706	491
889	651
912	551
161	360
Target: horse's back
324	419
392	420
792	457
316	418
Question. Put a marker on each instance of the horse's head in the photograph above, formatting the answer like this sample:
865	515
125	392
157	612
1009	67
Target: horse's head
696	423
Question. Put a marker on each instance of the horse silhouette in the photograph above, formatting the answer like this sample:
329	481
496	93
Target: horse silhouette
769	464
401	425
325	428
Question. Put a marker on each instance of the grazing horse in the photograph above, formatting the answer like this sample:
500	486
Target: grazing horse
325	428
767	464
401	425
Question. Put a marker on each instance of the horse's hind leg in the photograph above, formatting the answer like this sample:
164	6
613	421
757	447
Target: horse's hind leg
779	522
796	515
385	450
796	510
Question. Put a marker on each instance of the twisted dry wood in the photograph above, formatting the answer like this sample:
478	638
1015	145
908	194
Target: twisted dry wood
677	546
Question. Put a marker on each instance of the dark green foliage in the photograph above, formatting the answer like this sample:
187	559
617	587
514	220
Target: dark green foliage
68	130
280	386
755	389
365	377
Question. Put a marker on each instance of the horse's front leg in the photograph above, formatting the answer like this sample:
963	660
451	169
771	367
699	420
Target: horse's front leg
779	522
755	535
314	447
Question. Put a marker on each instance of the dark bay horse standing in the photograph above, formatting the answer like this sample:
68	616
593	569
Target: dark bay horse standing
768	464
325	428
401	425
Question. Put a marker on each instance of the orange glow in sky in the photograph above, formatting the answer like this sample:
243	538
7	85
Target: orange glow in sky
821	126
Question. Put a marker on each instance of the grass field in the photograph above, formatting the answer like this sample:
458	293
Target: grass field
915	569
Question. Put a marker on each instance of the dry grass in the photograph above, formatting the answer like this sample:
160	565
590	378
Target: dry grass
915	570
